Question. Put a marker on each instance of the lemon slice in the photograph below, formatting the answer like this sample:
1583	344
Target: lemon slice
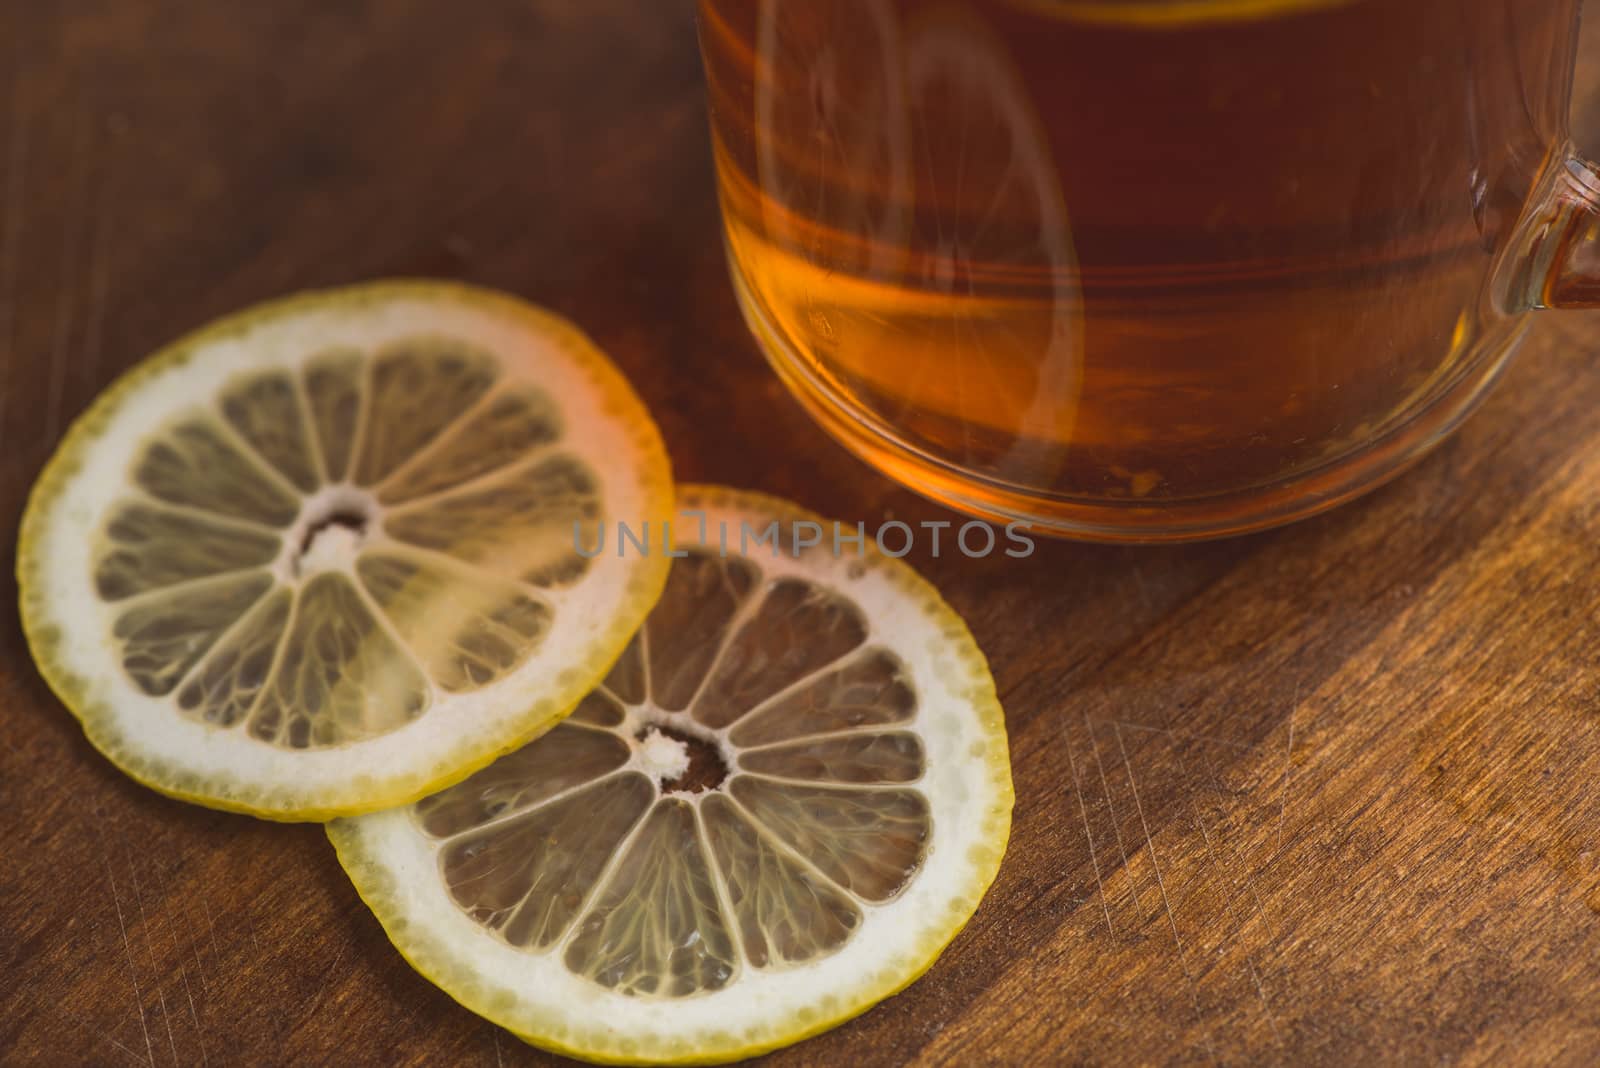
833	149
786	798
1010	374
318	558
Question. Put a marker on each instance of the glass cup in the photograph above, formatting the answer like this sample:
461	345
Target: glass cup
1146	270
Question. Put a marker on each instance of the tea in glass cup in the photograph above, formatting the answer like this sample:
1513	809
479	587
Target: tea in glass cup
1135	270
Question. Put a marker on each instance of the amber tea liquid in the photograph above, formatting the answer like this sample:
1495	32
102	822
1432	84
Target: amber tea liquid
1038	257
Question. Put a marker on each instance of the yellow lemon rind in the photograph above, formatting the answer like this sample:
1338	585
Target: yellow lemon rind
435	960
362	793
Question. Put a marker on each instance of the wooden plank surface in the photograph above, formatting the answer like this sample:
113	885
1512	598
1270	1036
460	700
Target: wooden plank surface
1326	795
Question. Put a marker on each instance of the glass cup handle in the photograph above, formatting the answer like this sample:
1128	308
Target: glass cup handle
1554	255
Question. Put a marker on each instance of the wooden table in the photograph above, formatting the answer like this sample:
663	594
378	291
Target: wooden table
1326	795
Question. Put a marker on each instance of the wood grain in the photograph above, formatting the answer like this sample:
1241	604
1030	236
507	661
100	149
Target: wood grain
1322	796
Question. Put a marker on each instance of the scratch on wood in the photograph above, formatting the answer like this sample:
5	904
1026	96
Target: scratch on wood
254	943
127	947
171	1038
1288	767
1149	842
327	977
1224	870
211	928
1166	902
1237	860
164	897
1249	961
134	1056
1199	822
1172	732
194	945
494	1032
1266	1002
1083	811
194	1015
1116	824
149	945
199	1031
96	1029
1249	880
133	971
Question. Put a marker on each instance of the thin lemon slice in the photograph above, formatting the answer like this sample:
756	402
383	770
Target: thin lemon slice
992	205
834	158
319	557
785	799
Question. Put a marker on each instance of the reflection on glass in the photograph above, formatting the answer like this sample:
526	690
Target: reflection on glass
1032	255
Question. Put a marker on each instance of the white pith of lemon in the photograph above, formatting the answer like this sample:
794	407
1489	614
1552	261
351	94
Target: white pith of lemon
581	894
317	558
